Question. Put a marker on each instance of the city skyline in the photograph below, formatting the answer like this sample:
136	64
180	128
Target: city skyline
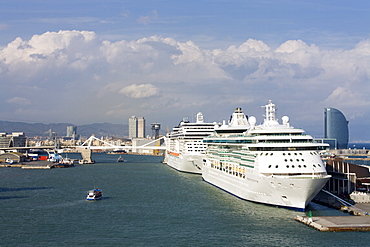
104	61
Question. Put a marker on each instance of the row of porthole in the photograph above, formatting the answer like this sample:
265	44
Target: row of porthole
291	160
312	153
299	166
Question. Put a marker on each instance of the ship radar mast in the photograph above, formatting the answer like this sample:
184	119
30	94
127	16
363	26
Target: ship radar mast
270	116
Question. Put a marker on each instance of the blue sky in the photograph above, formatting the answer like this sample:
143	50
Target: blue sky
104	61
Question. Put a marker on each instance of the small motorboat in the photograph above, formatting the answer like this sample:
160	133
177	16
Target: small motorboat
95	194
120	159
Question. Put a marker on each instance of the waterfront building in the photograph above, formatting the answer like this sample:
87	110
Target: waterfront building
132	127
12	157
150	144
140	127
72	131
15	139
336	127
136	127
346	177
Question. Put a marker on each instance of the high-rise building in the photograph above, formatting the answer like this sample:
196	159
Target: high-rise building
71	131
336	127
132	127
136	127
140	127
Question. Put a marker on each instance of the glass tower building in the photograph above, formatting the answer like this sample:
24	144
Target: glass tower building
141	127
132	127
71	131
336	127
136	127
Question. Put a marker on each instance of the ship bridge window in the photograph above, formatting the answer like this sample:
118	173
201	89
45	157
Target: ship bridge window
304	166
297	160
285	160
303	160
269	166
287	166
291	160
319	165
314	165
276	166
299	166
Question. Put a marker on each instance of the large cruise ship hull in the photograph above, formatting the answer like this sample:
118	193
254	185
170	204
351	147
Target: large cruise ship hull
270	163
190	163
291	192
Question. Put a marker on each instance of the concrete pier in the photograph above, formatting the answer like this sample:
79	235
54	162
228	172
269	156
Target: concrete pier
37	166
40	164
358	218
336	223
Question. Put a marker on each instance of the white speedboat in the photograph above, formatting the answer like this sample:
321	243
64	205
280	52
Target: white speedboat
120	159
95	194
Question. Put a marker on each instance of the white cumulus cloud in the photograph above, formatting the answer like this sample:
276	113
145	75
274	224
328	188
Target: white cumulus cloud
77	69
139	91
18	101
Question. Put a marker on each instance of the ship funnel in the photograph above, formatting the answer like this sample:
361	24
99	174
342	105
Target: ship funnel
238	118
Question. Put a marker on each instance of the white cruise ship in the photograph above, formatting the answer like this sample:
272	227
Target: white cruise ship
184	145
271	163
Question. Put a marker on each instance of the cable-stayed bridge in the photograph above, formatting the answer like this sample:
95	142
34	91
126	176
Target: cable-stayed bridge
89	143
86	147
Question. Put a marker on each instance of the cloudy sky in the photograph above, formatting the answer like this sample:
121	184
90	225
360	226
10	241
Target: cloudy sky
91	61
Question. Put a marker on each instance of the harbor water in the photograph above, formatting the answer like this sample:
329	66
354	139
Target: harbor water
145	203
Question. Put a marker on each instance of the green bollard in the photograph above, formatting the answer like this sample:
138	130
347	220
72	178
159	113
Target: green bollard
309	216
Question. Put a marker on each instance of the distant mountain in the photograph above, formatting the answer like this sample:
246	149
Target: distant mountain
40	129
103	129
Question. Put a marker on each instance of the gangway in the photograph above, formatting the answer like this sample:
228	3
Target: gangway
344	202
